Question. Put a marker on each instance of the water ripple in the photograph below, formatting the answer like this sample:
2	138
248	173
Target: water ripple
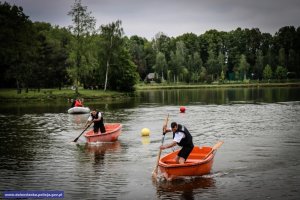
260	151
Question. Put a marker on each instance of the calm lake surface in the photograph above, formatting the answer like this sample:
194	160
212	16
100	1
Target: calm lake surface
260	157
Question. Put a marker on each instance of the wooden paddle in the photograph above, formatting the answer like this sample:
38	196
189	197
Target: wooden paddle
215	147
82	132
154	173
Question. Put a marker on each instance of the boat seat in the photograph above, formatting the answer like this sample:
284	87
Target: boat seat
171	161
197	156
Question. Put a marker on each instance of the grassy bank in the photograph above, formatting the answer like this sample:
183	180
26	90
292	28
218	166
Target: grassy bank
46	94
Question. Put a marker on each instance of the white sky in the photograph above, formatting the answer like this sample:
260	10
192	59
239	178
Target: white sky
146	18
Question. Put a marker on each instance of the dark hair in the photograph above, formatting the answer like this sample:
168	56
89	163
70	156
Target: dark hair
173	124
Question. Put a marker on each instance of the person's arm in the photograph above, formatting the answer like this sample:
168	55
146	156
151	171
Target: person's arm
166	130
168	145
177	139
89	121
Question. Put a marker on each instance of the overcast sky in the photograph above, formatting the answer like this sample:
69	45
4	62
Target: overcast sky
145	18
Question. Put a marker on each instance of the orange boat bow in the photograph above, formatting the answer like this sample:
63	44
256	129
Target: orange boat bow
113	130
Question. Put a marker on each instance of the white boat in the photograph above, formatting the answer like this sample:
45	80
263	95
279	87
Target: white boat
79	110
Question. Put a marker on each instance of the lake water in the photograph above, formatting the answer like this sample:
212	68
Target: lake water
260	157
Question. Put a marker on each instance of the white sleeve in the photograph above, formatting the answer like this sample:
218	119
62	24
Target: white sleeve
99	115
178	137
90	118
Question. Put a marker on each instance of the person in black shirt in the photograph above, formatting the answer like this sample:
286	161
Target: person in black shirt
181	137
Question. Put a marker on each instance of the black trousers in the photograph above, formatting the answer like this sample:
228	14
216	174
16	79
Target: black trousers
98	126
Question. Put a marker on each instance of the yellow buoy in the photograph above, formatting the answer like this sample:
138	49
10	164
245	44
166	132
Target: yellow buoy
145	132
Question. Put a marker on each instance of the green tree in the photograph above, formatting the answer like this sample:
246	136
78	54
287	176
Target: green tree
212	64
194	65
190	41
221	65
236	44
198	63
124	75
297	51
253	44
160	65
83	26
270	58
222	78
267	73
281	57
285	38
259	63
17	47
137	46
112	41
292	61
161	43
243	66
202	74
115	60
280	72
177	62
50	69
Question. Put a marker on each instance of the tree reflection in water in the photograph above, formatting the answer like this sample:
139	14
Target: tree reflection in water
97	151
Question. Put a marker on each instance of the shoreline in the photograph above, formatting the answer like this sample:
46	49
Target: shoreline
227	85
54	94
10	95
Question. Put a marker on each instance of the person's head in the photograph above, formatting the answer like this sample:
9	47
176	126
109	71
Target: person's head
94	112
174	126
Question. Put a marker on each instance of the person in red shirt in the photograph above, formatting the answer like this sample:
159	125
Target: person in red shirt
78	103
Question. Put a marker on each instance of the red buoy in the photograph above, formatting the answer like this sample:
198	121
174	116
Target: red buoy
182	109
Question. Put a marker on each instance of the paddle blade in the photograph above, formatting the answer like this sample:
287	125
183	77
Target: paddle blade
216	146
154	175
81	133
76	139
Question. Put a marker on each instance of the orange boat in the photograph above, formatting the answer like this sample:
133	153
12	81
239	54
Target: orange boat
199	163
113	130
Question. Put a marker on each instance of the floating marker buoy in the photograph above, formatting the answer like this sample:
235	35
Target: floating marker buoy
145	132
182	109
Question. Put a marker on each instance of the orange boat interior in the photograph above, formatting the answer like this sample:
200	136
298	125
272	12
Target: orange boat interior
109	129
196	155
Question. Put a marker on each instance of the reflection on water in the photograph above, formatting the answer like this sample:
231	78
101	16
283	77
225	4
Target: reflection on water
165	97
145	140
220	95
183	188
97	150
102	147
